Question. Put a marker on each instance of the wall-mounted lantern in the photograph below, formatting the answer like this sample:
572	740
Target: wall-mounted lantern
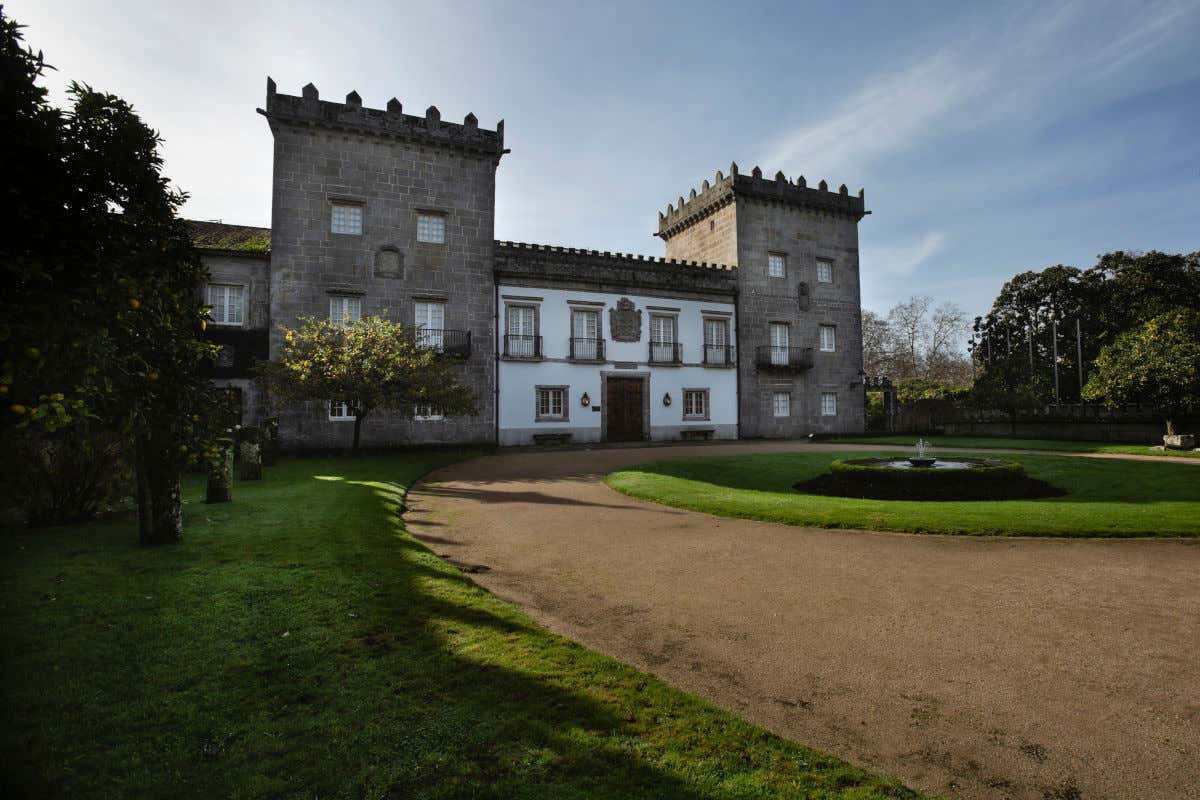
584	400
667	399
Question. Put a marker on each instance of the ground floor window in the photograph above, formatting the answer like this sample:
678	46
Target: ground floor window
695	403
427	413
551	403
782	404
828	404
339	411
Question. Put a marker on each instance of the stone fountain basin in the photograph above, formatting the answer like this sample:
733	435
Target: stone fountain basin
896	478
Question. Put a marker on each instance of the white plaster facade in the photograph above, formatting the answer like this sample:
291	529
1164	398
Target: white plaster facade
554	309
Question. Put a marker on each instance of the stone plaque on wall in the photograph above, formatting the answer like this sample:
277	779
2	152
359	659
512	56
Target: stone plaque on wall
389	263
625	322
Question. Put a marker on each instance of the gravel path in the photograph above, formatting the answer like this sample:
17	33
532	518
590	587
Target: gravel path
968	667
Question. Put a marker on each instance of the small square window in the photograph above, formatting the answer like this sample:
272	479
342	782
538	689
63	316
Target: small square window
781	403
227	302
551	403
427	413
340	411
346	219
776	265
828	338
431	228
345	310
828	404
695	403
824	271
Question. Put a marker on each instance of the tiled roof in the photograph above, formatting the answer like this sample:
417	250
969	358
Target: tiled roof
220	236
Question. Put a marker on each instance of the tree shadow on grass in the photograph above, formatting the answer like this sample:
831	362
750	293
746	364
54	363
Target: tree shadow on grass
322	652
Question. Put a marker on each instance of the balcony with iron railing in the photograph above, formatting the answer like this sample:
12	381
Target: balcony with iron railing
583	349
456	344
526	347
719	355
793	359
666	353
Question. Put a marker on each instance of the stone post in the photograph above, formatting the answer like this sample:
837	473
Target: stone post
251	461
270	443
220	476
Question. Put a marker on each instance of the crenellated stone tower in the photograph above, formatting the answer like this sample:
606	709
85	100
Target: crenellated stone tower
376	211
799	305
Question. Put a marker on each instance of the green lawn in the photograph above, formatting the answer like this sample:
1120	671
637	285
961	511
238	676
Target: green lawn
1106	497
300	644
1019	444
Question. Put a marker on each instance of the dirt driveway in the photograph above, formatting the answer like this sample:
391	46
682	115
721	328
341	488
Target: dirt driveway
967	667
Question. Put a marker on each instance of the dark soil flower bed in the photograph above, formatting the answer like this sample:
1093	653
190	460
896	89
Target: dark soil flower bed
984	479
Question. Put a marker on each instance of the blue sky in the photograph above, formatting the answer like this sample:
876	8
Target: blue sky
990	139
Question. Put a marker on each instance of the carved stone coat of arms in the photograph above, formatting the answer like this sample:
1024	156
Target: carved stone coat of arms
625	321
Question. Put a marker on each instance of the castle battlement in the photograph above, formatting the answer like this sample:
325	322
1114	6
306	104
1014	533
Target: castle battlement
310	109
725	188
524	249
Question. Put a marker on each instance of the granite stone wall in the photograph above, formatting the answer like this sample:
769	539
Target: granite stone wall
328	153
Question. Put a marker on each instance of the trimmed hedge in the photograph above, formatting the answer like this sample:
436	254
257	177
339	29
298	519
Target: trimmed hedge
986	479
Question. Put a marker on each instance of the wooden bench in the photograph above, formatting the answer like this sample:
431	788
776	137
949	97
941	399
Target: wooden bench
696	434
551	438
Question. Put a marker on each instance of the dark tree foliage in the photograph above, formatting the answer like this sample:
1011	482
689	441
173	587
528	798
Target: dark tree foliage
1014	345
100	320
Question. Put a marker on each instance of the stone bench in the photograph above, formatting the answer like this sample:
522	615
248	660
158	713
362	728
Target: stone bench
696	434
551	438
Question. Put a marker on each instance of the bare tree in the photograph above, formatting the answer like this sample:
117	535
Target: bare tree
907	323
876	338
917	341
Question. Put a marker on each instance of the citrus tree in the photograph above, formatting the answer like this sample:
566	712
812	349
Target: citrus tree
1157	363
370	365
101	318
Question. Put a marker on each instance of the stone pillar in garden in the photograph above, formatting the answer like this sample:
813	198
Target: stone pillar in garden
251	461
220	476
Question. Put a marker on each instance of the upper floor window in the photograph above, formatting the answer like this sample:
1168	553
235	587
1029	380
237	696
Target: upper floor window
828	338
227	303
824	271
431	228
346	219
716	342
340	411
521	339
776	265
828	404
345	310
780	342
430	321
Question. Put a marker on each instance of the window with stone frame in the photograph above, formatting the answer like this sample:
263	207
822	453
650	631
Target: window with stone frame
695	404
344	310
346	218
824	270
828	404
340	411
776	265
551	403
828	338
781	404
431	228
227	304
426	412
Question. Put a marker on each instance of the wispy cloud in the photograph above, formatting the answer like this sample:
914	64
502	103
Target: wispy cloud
1017	67
901	260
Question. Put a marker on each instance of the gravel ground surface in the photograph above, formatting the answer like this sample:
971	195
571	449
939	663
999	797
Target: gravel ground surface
968	667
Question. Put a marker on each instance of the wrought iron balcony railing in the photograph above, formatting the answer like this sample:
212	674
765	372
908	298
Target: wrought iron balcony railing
718	355
666	353
452	343
783	358
587	349
522	346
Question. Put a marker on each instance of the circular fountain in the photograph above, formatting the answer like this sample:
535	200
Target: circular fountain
923	476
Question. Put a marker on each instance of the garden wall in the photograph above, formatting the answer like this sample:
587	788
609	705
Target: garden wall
1134	424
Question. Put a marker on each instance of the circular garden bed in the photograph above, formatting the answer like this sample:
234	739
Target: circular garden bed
963	479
